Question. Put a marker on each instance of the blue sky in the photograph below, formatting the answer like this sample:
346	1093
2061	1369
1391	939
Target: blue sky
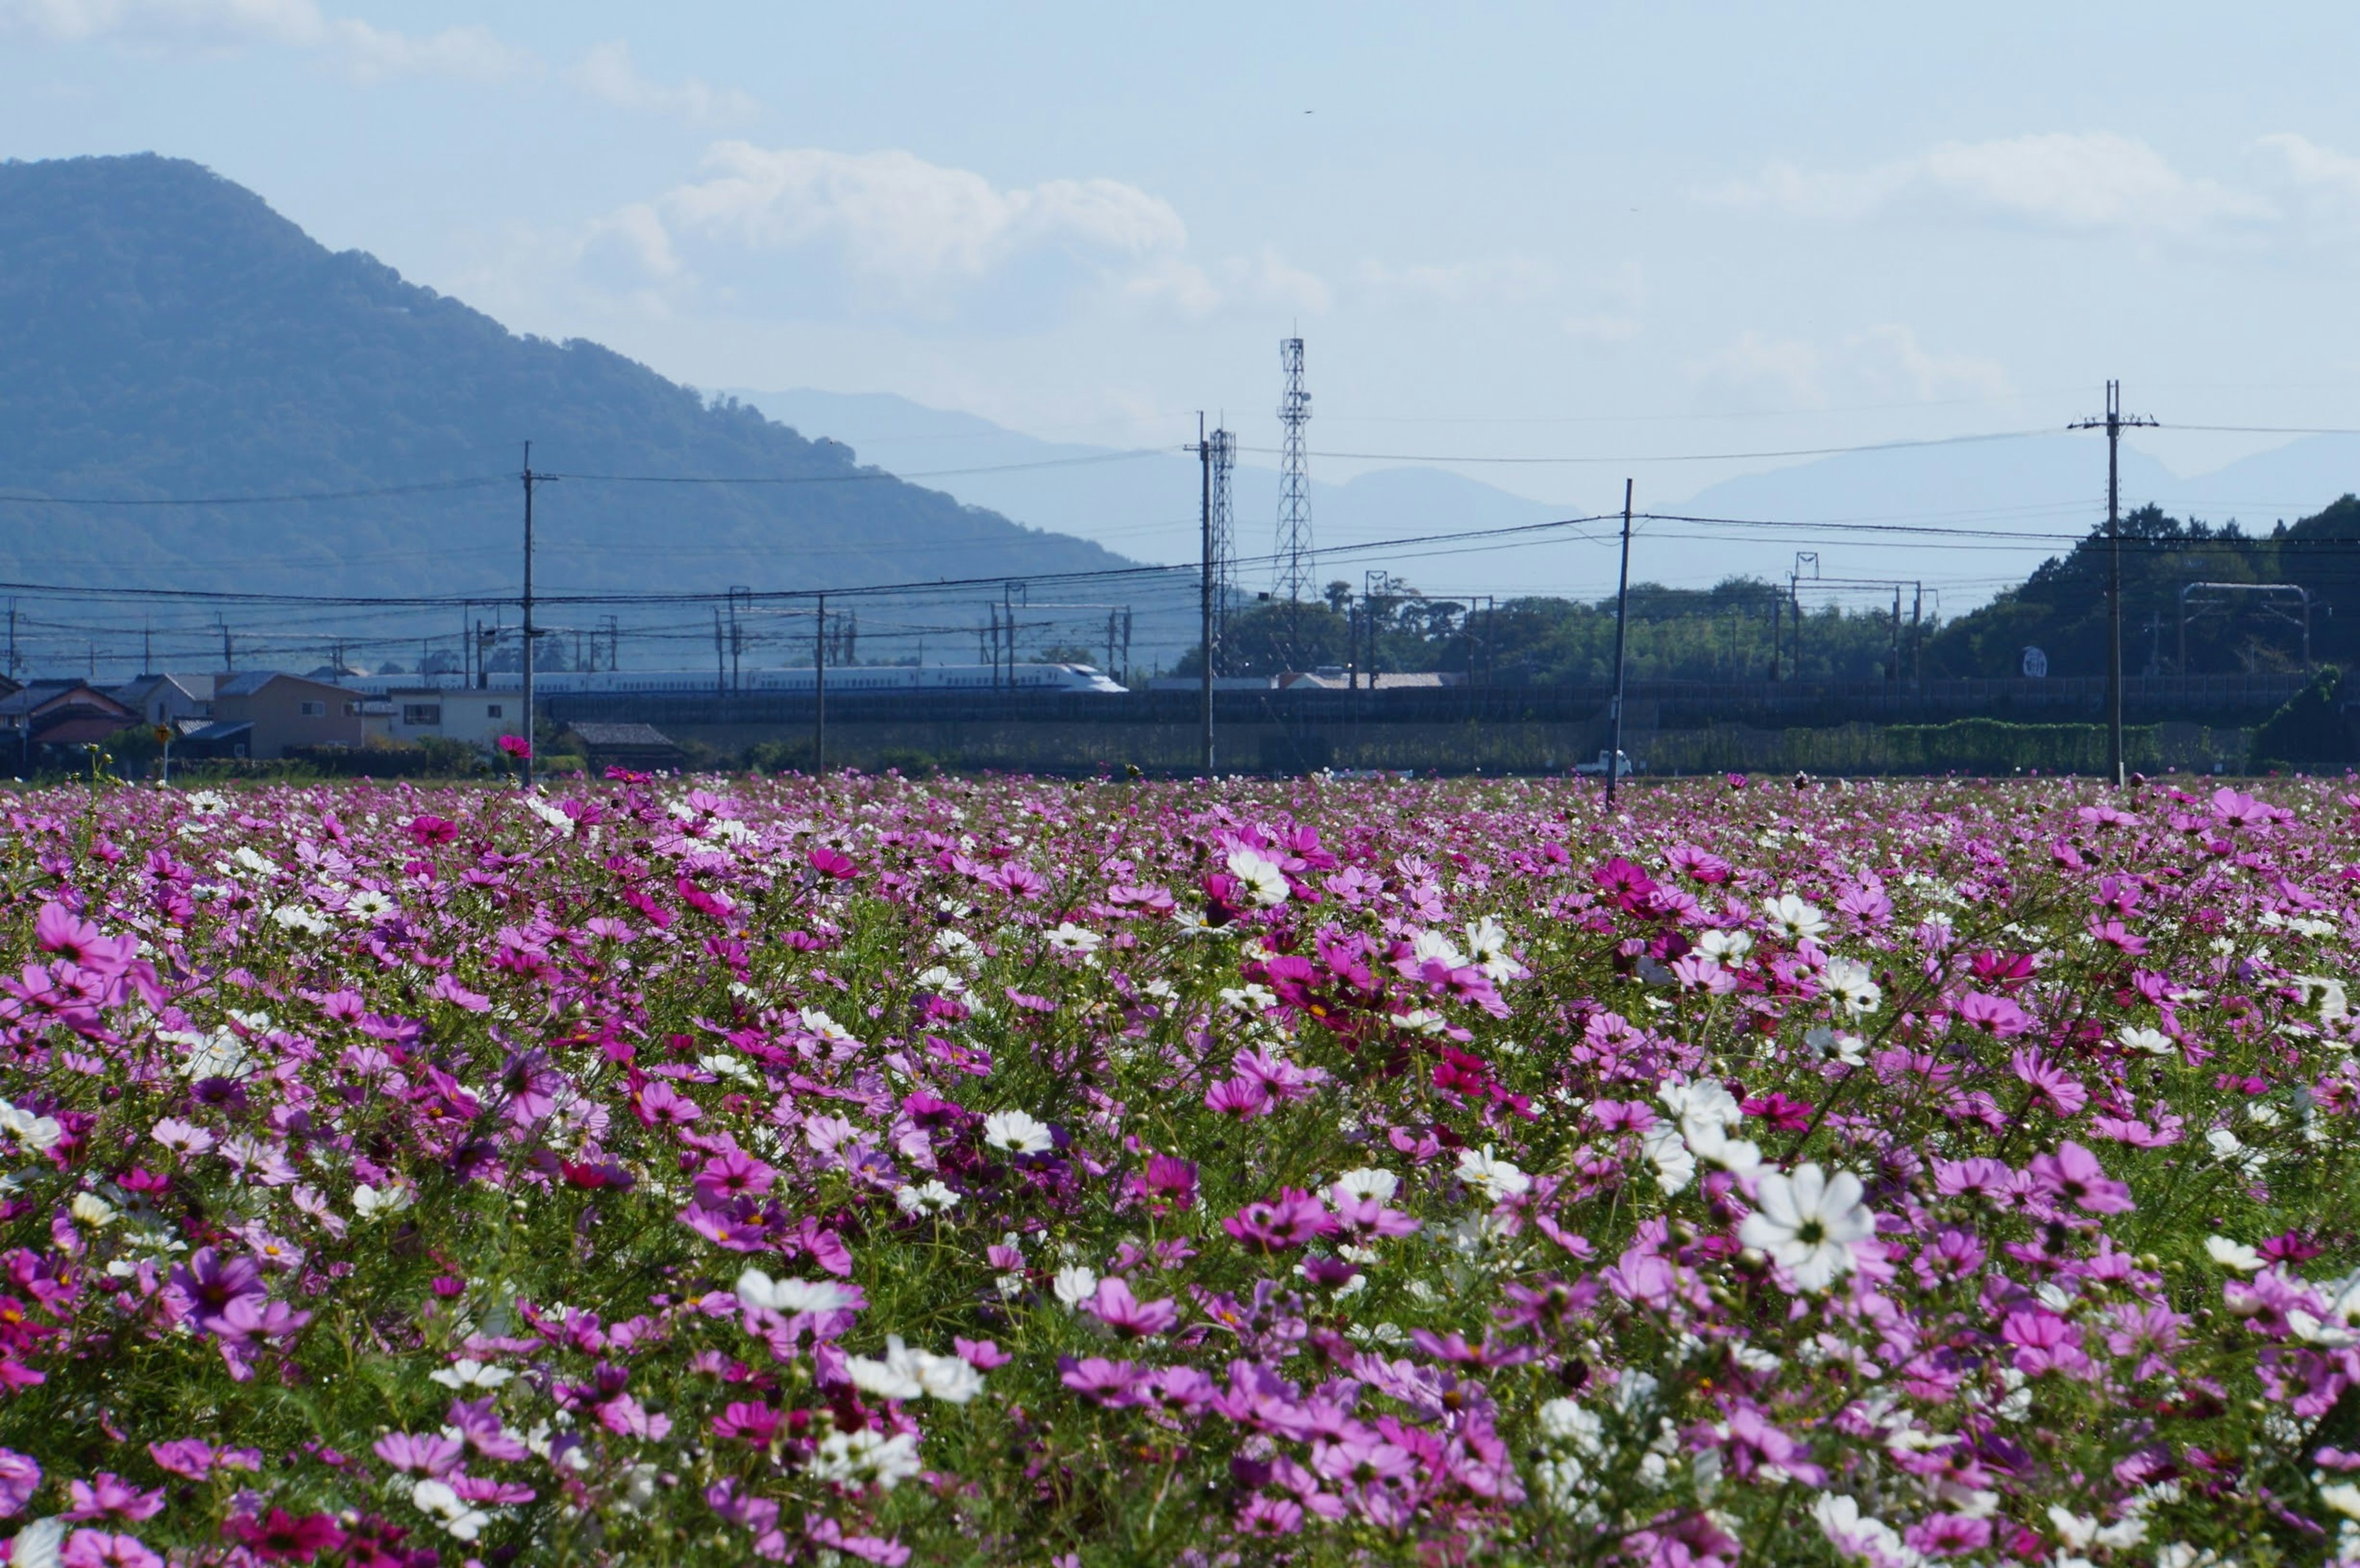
1608	232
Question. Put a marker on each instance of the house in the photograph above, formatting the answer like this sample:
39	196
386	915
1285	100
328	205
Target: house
289	713
168	699
472	715
1337	678
42	720
643	749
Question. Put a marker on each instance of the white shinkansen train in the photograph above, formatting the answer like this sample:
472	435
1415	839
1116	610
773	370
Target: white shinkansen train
850	680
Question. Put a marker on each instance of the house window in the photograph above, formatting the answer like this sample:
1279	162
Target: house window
491	710
421	714
313	710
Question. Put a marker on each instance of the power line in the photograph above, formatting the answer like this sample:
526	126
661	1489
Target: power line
288	498
867	476
1669	457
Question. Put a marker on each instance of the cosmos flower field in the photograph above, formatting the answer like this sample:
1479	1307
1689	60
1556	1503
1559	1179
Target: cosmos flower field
710	1172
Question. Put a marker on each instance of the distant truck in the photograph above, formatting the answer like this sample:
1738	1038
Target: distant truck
1624	765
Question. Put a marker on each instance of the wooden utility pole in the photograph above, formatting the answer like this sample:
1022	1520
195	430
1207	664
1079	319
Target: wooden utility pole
1205	601
2112	425
530	738
1622	624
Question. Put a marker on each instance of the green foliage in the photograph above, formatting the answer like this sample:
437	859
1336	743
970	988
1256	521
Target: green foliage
2062	608
2310	731
1722	633
1981	746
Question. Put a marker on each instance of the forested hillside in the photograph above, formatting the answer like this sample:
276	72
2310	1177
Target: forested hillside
164	333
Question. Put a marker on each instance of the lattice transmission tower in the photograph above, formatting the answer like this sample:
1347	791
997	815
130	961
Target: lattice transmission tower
1293	581
1223	448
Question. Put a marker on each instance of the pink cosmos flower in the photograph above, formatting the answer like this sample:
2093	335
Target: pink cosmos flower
2063	1094
282	1537
1291	1219
2045	1343
20	1478
432	1454
1996	1016
56	929
2074	1174
109	1494
1102	1382
1949	1535
103	1549
1242	1098
1130	1318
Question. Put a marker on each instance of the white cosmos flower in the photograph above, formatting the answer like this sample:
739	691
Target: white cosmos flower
1808	1223
2343	1497
369	906
931	1199
220	1054
260	865
468	1372
1791	918
1262	881
1071	938
1727	947
1487	945
1368	1182
906	1374
36	1545
1498	1178
1850	983
1827	1044
1433	944
817	1021
1674	1165
1705	1106
35	1132
2234	1254
2154	1042
1075	1283
464	1521
296	917
1856	1534
791	1296
1017	1132
390	1198
846	1457
207	803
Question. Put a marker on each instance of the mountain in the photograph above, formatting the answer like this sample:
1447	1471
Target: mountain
1145	504
163	333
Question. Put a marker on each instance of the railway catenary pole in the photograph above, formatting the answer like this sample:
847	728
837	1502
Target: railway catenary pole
1205	603
1622	622
819	690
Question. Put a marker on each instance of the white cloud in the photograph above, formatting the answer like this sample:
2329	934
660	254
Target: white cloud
2070	181
893	216
168	24
608	74
206	26
1262	281
1883	365
472	53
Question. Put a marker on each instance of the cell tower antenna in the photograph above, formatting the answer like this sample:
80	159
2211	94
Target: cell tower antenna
1293	581
1222	449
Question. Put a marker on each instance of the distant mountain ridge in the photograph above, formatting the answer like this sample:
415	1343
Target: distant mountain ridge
164	333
